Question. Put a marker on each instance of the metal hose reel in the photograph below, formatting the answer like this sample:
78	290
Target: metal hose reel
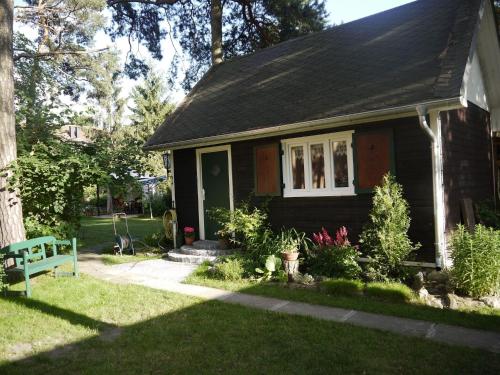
170	225
123	241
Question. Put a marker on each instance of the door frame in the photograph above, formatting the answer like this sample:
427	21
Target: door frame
199	180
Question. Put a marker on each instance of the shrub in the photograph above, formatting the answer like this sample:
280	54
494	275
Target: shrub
230	269
154	239
159	204
336	261
476	260
389	291
385	238
334	258
248	224
488	216
342	287
60	229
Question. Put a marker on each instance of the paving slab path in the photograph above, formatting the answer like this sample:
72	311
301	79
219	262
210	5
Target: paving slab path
166	275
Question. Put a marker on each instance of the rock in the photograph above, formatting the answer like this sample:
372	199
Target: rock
418	281
455	302
440	277
432	301
492	301
422	292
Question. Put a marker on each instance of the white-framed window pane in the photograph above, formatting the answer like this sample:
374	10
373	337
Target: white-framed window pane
317	152
340	166
297	159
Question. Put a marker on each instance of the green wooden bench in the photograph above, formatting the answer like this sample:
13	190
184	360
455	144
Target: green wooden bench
31	257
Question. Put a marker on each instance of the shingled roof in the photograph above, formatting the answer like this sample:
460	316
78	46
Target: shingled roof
407	55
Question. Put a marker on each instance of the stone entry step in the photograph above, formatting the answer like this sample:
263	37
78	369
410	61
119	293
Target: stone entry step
191	259
206	245
200	252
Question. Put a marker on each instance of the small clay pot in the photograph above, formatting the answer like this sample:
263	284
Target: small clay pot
290	256
189	240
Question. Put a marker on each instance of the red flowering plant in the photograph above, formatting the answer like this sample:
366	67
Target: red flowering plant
188	232
334	257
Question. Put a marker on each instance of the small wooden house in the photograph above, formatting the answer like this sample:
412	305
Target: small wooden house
315	122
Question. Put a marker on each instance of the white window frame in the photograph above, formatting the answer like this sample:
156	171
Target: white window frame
306	142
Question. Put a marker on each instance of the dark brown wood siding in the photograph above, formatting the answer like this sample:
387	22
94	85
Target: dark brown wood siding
467	165
413	171
186	190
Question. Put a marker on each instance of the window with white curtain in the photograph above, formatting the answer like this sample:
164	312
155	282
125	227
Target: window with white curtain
320	165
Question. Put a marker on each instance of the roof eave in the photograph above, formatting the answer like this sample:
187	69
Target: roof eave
330	122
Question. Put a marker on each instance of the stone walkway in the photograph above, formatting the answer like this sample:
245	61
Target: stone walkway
165	275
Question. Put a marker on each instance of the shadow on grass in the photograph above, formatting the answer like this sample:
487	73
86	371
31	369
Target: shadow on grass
216	338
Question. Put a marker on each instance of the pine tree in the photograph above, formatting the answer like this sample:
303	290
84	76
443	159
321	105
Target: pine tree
385	238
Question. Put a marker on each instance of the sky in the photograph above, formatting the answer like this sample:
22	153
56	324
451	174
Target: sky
350	10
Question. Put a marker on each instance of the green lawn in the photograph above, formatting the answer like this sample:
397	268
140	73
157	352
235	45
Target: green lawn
485	318
97	231
87	326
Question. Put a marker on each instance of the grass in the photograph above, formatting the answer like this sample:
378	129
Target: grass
99	231
485	318
87	326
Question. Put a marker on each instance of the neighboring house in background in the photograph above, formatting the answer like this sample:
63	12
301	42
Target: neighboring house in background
317	121
76	133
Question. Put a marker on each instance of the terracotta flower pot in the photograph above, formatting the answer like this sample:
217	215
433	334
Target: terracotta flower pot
189	240
290	256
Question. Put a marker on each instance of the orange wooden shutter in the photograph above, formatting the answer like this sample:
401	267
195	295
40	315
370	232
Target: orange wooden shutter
267	170
374	158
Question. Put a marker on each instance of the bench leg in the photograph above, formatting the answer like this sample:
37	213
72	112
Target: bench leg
27	281
75	258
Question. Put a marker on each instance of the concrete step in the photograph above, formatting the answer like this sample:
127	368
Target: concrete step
206	245
191	250
186	258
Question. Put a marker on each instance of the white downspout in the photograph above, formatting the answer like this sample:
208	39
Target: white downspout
434	134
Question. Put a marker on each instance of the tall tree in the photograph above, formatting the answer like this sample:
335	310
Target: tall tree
150	106
211	30
11	215
64	36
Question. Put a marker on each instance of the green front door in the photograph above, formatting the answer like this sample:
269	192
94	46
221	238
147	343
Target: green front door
215	180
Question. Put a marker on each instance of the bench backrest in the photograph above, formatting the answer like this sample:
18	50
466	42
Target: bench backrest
33	246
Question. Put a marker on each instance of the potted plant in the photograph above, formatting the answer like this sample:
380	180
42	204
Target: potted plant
288	244
189	235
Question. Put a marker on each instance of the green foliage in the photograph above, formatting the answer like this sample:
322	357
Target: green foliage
248	224
272	268
385	238
488	216
389	291
159	204
342	287
150	107
335	261
247	26
229	268
51	179
476	260
290	241
154	238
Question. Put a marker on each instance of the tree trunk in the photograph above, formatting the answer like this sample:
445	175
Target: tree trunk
216	26
11	214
